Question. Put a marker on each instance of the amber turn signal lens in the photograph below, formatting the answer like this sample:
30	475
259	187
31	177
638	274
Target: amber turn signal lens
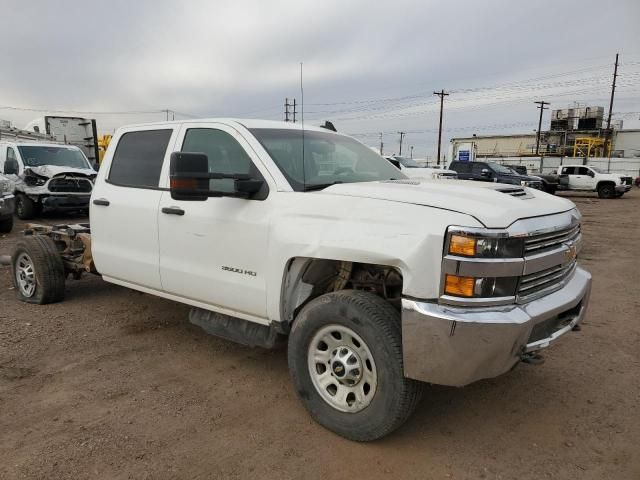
461	245
459	286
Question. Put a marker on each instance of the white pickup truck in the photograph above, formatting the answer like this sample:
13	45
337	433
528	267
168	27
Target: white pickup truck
587	178
377	282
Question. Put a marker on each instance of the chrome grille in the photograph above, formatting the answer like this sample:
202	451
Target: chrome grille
550	240
70	184
545	281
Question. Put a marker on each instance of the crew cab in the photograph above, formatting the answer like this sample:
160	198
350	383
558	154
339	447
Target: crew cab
6	204
587	178
493	172
411	169
47	176
274	233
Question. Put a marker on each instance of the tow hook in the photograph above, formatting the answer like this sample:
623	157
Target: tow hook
532	358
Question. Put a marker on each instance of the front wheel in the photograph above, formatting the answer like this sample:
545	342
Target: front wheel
25	207
606	191
345	359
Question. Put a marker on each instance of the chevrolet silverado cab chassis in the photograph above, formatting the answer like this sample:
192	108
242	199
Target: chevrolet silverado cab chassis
377	282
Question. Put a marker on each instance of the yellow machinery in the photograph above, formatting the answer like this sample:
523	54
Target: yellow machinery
590	147
103	143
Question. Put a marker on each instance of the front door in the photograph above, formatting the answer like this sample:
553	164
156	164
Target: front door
213	252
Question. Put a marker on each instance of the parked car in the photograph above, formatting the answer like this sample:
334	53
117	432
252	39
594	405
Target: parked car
550	183
410	168
586	178
47	176
376	282
6	204
493	172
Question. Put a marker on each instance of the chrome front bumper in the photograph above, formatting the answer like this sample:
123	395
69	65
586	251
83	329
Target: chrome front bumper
455	346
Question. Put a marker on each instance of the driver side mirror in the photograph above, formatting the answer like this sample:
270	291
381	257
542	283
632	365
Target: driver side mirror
189	179
11	166
591	173
485	172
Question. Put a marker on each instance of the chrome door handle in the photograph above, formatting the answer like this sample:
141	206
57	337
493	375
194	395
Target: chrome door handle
103	202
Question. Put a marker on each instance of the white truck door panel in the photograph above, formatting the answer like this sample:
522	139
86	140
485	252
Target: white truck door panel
215	252
124	208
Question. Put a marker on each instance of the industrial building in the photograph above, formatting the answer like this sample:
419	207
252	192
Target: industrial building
573	132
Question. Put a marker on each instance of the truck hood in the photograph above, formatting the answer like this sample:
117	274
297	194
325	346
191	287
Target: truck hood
483	201
53	170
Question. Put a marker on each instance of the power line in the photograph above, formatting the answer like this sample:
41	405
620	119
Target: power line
82	112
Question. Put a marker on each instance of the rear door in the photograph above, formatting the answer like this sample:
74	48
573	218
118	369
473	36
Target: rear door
124	207
214	252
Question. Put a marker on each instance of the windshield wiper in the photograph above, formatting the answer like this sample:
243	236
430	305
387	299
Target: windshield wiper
319	186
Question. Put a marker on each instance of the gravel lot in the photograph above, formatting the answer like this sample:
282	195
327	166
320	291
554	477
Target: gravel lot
116	384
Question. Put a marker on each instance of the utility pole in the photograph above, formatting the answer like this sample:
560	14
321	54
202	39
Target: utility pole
541	106
608	136
381	143
402	134
411	151
173	114
441	94
613	91
286	109
294	110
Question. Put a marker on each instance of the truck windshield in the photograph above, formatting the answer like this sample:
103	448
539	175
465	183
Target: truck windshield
496	167
329	158
37	156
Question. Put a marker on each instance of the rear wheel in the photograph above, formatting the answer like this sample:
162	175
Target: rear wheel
606	190
345	359
25	207
38	271
6	224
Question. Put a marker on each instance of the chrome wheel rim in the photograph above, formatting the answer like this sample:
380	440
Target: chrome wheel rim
342	368
25	275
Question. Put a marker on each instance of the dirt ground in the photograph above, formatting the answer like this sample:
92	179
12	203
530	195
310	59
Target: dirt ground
116	384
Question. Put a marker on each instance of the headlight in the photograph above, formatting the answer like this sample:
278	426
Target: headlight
470	287
467	244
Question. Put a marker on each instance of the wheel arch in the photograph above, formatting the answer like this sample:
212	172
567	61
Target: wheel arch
306	278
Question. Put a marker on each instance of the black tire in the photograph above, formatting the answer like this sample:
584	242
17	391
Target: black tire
606	190
47	267
25	207
377	323
6	224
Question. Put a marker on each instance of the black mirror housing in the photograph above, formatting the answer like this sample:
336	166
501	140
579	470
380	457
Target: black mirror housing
11	166
189	179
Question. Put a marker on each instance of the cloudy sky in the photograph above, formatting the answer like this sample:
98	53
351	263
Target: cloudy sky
369	66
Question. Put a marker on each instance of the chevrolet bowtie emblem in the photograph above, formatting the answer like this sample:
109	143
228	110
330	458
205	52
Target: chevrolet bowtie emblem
572	253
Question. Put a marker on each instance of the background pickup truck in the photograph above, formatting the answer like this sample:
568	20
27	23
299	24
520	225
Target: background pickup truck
550	183
586	178
47	176
376	282
493	172
411	169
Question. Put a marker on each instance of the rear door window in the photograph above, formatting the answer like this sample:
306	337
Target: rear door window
568	170
138	158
